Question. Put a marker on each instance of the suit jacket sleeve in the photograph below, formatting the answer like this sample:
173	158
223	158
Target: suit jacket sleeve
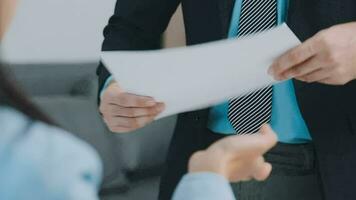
207	186
136	25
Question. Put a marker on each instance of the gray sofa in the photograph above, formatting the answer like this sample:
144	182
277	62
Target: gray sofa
132	162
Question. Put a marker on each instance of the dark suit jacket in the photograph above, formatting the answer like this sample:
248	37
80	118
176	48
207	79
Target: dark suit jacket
329	111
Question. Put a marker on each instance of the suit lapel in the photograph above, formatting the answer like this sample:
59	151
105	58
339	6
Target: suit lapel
225	10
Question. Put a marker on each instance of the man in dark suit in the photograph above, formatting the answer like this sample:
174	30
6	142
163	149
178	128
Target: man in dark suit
313	114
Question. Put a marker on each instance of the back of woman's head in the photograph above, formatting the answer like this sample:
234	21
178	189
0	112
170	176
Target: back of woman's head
11	96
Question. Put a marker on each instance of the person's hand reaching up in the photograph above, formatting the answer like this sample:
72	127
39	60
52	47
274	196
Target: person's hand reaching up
237	158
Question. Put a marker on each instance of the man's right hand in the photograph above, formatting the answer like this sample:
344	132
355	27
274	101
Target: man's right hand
123	112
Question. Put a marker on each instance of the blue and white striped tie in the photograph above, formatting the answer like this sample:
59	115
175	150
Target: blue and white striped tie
248	112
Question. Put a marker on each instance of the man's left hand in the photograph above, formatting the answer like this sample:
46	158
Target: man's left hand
329	58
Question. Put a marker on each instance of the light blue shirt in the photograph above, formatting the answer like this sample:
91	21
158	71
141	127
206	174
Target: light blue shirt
41	162
286	118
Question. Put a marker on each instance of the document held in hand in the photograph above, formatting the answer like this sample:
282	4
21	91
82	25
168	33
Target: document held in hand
200	76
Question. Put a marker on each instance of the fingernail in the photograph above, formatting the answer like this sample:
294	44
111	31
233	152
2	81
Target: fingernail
161	107
151	103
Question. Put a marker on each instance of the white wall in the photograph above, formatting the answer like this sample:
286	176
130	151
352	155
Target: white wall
49	31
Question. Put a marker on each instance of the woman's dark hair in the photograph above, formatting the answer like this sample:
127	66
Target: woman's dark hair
11	96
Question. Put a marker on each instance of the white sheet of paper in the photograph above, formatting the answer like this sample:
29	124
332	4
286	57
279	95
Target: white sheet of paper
196	77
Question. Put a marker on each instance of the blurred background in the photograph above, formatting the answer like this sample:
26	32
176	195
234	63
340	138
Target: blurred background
53	49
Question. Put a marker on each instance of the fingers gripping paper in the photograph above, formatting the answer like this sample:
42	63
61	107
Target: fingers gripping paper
200	76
